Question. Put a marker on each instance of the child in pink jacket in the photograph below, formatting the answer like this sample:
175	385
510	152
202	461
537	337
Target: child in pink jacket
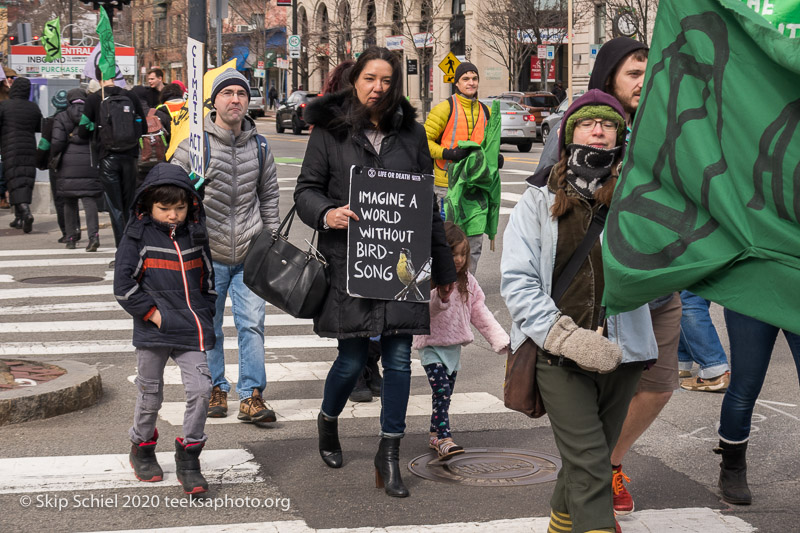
440	352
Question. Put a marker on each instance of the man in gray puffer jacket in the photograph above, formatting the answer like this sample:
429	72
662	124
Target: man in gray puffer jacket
241	198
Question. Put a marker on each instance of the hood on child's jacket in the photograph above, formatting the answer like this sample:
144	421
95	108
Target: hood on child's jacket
168	174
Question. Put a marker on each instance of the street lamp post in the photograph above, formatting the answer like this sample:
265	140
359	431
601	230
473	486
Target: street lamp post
294	32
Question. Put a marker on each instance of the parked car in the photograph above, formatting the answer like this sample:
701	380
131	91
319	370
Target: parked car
256	107
552	122
517	125
540	104
290	112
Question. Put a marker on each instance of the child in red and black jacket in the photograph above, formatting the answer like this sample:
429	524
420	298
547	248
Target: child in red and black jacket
163	277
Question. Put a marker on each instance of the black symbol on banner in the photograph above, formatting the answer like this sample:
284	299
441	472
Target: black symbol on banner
779	133
683	223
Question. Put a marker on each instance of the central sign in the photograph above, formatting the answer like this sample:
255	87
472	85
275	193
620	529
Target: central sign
389	247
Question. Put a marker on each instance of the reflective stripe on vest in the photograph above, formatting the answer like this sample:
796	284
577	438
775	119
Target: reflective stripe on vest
456	129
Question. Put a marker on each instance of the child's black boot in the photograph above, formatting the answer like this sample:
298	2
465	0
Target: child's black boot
187	467
143	460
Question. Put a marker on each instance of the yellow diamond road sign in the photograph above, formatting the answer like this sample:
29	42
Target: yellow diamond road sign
449	65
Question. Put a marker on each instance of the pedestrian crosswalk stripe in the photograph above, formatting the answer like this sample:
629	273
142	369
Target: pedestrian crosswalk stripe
90	472
74	307
126	324
686	520
121	346
303	409
30	263
56	292
54	251
510	197
278	372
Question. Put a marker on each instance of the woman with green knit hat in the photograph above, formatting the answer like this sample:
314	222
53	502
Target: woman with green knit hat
587	367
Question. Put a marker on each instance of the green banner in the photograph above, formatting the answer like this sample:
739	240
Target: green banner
783	14
108	61
709	195
51	39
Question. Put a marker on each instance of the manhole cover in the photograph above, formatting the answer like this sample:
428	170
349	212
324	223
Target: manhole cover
61	280
16	373
498	467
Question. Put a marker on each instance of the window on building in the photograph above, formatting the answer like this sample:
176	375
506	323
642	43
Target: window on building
397	18
370	37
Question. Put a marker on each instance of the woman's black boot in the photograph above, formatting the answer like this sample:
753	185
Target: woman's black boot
24	213
17	222
329	447
387	468
733	473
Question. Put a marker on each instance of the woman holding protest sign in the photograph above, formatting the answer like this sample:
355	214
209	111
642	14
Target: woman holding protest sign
369	124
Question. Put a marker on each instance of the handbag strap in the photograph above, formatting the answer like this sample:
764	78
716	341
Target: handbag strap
580	254
287	222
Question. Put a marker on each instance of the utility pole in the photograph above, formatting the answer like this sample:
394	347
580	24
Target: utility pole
294	32
70	24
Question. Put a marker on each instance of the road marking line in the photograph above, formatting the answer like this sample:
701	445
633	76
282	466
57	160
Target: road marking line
686	520
30	263
506	210
56	292
273	342
304	409
510	197
272	320
515	171
277	372
6	278
113	471
76	307
777	403
762	404
54	251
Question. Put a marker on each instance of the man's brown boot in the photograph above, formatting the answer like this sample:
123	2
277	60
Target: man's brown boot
218	406
253	409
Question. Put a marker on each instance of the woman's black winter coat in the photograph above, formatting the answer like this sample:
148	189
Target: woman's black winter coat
324	183
20	119
77	177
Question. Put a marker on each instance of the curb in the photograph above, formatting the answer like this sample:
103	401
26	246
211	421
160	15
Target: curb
80	387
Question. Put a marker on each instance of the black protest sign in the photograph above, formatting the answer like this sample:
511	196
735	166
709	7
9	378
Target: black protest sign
389	247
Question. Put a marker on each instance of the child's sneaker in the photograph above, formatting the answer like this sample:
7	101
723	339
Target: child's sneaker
143	461
623	501
446	448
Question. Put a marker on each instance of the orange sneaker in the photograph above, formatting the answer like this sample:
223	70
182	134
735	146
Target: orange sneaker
623	501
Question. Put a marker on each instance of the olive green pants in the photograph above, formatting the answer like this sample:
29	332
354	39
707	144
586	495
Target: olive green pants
586	411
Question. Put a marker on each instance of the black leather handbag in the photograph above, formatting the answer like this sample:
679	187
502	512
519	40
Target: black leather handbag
292	280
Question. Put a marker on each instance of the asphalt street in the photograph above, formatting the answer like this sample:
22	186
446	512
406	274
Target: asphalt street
62	473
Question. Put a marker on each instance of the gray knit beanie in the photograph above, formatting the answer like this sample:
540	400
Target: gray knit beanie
226	79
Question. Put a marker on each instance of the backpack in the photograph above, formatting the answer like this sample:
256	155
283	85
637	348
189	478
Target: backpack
117	123
153	142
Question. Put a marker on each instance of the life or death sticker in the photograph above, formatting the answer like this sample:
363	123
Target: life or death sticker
389	247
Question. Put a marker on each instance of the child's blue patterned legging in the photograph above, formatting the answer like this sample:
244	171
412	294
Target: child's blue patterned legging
442	386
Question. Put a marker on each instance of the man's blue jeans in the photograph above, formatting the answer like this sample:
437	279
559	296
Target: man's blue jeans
752	342
248	317
396	361
699	340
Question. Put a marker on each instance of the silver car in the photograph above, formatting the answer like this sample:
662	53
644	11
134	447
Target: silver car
518	126
551	122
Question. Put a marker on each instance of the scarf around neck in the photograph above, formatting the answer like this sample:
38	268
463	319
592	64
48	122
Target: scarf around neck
588	167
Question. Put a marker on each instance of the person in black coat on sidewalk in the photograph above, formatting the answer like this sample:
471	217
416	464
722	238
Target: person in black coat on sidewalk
368	124
20	119
77	178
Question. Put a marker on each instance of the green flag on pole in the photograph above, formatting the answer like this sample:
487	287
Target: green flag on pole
709	195
51	38
107	62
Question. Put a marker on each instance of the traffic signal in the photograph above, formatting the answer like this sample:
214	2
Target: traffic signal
36	40
12	39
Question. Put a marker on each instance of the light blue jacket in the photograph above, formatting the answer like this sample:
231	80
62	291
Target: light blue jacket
529	256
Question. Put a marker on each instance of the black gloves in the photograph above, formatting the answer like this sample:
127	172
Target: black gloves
454	154
500	160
